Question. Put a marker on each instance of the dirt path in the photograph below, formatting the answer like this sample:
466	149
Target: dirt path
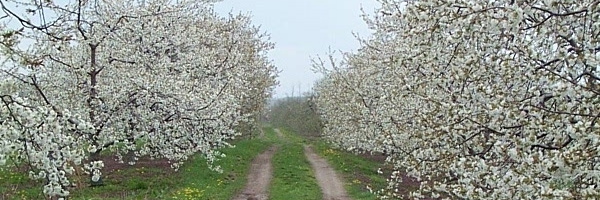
331	186
259	177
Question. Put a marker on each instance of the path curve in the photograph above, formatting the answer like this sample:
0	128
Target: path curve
259	177
331	186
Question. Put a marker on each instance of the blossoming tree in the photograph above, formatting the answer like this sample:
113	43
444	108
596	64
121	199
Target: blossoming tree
160	78
475	99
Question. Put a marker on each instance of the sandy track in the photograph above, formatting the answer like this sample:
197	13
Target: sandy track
331	186
259	177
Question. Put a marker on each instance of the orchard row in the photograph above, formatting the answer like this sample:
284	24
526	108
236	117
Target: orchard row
157	78
476	99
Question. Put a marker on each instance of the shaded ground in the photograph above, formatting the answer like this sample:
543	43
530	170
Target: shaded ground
331	186
111	165
409	184
259	177
130	178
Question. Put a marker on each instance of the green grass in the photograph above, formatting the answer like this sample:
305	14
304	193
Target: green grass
197	182
131	183
293	177
17	185
194	180
357	171
271	136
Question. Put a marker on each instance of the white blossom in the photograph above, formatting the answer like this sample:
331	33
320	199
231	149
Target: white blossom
477	99
158	78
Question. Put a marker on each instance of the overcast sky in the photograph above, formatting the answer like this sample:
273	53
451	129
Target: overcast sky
301	30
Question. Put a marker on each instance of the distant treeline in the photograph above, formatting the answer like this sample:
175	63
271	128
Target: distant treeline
295	113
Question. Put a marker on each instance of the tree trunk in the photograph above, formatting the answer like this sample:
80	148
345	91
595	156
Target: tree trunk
95	156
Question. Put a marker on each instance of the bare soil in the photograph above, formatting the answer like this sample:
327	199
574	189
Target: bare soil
259	177
112	165
409	184
331	185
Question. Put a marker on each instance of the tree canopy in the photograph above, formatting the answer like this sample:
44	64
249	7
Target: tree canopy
158	78
475	99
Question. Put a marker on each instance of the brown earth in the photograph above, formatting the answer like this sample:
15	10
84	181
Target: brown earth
409	184
331	185
112	165
259	177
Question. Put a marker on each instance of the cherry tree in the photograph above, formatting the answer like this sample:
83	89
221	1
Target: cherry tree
160	78
475	99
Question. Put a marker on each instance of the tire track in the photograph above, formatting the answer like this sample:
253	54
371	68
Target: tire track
259	177
331	186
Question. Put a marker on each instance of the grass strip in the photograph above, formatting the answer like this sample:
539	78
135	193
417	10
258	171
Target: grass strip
17	185
358	172
293	177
